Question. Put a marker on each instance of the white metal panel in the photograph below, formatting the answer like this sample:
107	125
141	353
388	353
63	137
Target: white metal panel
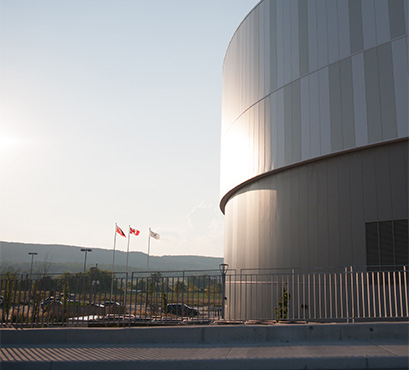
400	72
280	128
343	29
325	119
240	141
251	128
234	214
259	52
256	139
241	49
322	33
249	61
265	112
295	51
312	35
315	116
382	21
274	131
262	50
368	23
332	19
252	59
261	149
267	54
287	41
240	74
358	83
245	52
406	5
280	44
305	118
271	30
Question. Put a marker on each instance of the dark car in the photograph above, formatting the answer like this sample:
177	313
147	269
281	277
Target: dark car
111	303
51	300
181	309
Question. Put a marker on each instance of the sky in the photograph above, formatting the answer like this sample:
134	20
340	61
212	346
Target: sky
110	112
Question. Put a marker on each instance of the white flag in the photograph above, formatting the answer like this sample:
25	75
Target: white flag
154	235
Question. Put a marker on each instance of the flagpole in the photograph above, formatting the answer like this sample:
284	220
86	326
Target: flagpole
113	256
126	271
149	247
113	264
127	250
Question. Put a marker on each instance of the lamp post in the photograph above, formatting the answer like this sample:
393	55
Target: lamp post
86	250
32	254
223	267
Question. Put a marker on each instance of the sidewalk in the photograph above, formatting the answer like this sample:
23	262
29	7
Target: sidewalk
238	347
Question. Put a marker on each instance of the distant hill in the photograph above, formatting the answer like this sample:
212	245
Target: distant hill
69	258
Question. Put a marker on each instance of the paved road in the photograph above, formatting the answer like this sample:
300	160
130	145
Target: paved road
381	351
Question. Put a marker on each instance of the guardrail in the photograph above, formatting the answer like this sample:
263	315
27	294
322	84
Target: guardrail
105	299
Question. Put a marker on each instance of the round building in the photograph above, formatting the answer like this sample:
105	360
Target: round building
314	149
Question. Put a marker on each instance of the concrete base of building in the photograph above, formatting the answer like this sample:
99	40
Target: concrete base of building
280	346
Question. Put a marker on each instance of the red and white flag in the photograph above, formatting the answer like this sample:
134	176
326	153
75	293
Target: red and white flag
120	232
133	231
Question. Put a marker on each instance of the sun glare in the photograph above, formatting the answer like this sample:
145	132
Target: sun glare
6	142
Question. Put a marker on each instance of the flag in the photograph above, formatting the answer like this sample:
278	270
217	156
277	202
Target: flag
154	235
133	231
120	232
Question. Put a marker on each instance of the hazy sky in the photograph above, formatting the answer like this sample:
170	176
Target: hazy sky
110	112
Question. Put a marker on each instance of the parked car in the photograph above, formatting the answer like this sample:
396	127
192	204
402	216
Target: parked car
181	309
111	303
51	300
112	307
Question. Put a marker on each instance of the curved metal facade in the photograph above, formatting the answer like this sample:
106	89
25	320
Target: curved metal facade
314	131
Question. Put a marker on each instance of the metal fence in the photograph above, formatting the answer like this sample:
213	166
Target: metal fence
349	295
105	299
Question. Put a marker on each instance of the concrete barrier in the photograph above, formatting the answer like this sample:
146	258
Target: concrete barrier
209	334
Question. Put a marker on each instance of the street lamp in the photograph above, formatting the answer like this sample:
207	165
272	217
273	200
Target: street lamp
32	254
223	267
86	250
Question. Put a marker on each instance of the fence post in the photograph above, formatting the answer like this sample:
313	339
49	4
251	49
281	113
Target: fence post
346	293
183	288
406	289
352	295
126	292
223	267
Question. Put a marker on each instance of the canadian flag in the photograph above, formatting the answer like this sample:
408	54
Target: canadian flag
133	231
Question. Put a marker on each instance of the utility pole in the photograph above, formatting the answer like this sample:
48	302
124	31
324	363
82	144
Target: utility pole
86	250
32	254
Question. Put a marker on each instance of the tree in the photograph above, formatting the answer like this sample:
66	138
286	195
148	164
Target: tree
44	265
8	293
191	286
154	283
282	310
179	288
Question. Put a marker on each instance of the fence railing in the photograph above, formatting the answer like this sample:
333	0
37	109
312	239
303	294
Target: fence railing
110	299
104	299
347	295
